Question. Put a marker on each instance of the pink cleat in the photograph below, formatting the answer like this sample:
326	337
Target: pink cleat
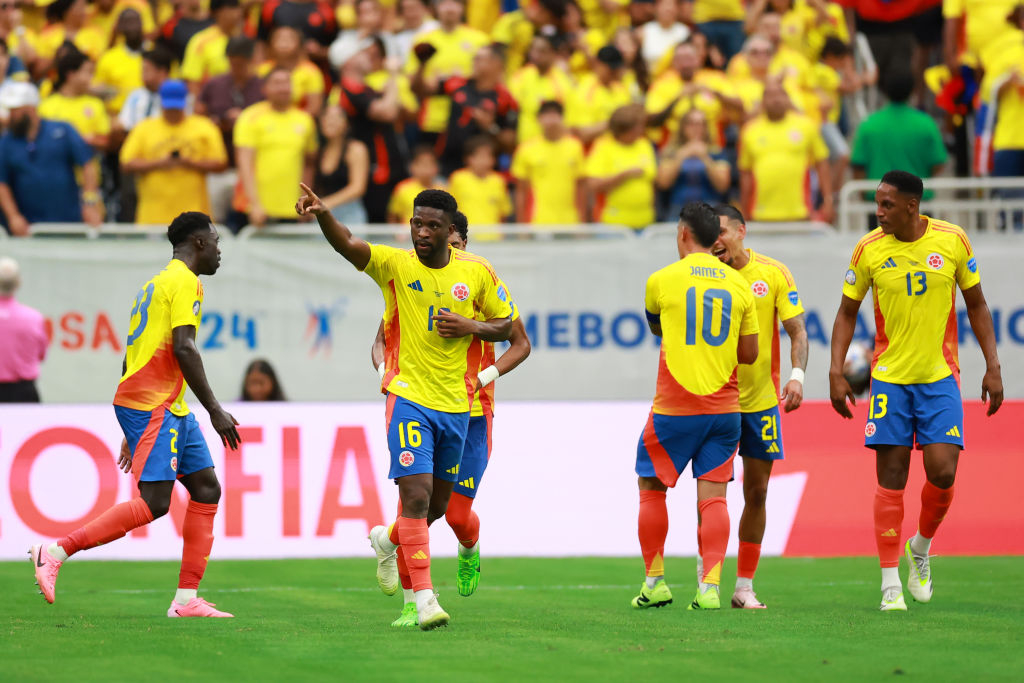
46	566
196	607
744	598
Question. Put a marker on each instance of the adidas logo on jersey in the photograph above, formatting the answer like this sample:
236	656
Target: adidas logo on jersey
955	431
774	448
890	533
419	555
889	263
453	470
416	286
468	483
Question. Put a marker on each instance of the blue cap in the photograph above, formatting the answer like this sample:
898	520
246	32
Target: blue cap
173	94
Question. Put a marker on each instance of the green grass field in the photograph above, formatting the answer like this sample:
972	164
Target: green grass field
542	619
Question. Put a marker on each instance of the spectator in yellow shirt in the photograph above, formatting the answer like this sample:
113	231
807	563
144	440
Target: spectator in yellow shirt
598	95
786	62
206	52
777	152
543	79
171	155
307	82
71	101
621	169
549	173
424	170
480	190
67	20
104	16
21	41
119	70
275	150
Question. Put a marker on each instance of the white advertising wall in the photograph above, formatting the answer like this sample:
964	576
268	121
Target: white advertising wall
300	305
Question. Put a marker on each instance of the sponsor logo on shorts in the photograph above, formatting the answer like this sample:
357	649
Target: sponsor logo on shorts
406	458
972	265
851	277
794	298
195	308
935	261
869	429
460	290
174	463
759	288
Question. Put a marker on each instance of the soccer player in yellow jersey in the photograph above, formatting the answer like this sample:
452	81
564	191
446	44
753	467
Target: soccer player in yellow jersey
775	298
705	315
913	264
431	294
162	442
477	452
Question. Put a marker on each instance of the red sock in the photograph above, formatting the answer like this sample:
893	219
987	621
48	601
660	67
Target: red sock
109	526
888	522
403	569
746	563
714	536
416	542
197	537
935	503
463	521
652	526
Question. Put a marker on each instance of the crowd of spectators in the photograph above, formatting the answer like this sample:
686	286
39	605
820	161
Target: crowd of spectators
549	112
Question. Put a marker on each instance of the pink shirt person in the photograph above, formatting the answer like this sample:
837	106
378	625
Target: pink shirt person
23	339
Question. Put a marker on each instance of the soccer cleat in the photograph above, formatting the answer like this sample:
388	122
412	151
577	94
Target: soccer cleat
387	562
700	569
468	576
196	607
659	596
744	598
919	580
46	568
408	618
432	616
709	599
892	600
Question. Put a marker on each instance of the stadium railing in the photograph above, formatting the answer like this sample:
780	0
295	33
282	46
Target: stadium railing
967	202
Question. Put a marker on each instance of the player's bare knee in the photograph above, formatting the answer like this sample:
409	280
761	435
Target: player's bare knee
755	496
158	505
208	493
943	479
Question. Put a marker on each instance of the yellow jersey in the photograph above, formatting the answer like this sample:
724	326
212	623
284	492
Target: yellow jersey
704	307
89	40
483	401
984	22
596	16
775	298
121	69
403	196
779	154
485	201
165	193
593	102
514	31
306	80
454	57
717	10
530	88
106	22
420	365
552	169
205	55
670	86
153	378
914	288
85	112
631	202
282	140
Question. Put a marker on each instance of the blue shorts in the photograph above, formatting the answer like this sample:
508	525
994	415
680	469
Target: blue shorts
761	437
164	446
475	455
424	441
669	442
902	414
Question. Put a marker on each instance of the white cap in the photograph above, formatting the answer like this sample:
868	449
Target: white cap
9	275
14	94
345	48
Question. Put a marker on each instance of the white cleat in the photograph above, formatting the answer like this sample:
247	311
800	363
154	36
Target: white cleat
387	560
919	580
892	600
431	615
700	569
744	598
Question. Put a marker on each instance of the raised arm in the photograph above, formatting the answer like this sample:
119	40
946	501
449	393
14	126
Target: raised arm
842	335
355	250
981	324
191	363
793	393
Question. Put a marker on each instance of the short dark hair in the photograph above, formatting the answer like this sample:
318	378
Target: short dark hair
240	46
186	224
556	7
57	9
461	225
898	84
223	4
834	47
276	68
905	183
159	57
730	212
437	199
497	50
701	220
67	63
422	149
551	105
476	142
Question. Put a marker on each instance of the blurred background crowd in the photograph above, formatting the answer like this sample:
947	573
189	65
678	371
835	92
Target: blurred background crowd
546	112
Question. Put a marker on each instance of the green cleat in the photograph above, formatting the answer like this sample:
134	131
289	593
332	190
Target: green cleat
659	596
468	576
919	581
709	599
408	618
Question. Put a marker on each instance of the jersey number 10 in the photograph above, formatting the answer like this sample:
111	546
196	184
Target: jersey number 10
708	314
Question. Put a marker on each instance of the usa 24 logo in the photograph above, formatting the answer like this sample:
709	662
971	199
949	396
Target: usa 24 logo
217	330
